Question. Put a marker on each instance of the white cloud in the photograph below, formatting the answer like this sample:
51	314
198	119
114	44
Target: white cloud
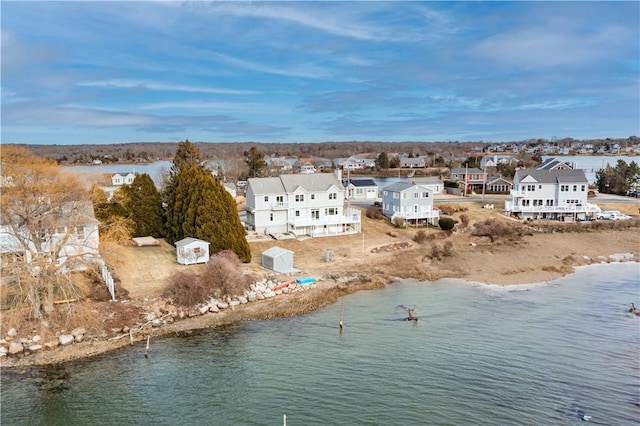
140	84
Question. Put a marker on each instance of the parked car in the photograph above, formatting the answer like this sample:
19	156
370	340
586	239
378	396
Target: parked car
635	194
611	215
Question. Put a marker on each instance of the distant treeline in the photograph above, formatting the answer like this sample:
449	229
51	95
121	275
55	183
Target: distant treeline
153	151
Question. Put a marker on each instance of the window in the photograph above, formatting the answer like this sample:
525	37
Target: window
331	212
313	196
266	198
299	198
582	188
396	195
61	230
279	199
425	195
297	213
385	193
271	217
196	250
333	196
416	195
315	214
564	188
539	186
531	188
575	187
549	203
80	231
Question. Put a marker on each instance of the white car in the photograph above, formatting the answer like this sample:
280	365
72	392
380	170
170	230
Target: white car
612	215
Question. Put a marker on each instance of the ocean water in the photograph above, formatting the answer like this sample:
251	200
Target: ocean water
537	354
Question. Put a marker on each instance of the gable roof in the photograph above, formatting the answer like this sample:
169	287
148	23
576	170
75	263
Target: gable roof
358	182
552	164
276	251
316	182
186	241
427	180
400	187
268	185
463	170
552	176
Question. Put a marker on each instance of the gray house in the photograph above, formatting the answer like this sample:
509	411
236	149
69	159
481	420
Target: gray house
434	183
413	203
279	260
360	189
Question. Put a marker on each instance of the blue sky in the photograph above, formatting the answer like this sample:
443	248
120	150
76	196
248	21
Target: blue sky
111	72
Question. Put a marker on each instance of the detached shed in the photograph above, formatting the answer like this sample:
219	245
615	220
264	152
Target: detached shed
279	260
190	251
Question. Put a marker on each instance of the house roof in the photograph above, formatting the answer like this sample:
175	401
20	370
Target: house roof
268	185
428	180
495	179
358	182
189	240
316	182
463	170
275	252
552	163
398	186
552	176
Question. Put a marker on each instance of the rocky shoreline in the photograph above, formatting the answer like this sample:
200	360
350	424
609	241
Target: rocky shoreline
162	318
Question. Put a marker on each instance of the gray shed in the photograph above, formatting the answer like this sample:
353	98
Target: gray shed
279	260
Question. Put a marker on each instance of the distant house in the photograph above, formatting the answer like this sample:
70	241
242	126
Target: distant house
498	185
304	167
360	189
550	194
190	251
302	204
494	160
231	189
554	164
413	203
119	179
412	162
434	183
356	162
471	177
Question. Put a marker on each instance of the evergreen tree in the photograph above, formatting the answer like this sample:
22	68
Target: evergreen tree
143	205
382	161
255	161
200	207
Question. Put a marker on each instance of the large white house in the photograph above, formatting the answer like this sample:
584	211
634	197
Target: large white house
302	204
550	194
413	203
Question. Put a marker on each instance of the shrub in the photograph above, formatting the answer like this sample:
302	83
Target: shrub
446	223
186	289
420	237
497	229
448	248
224	277
374	212
399	222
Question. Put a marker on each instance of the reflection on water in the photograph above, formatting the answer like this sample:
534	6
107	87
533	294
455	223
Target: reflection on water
538	354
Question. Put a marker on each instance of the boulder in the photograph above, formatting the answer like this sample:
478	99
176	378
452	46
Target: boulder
15	348
242	300
269	294
203	309
156	322
51	344
3	350
12	332
223	305
78	332
66	339
36	338
252	296
4	343
260	296
151	316
35	348
234	303
214	309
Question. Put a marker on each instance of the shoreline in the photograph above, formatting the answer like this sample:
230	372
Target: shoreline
324	293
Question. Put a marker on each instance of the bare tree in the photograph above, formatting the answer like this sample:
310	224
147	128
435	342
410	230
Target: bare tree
47	222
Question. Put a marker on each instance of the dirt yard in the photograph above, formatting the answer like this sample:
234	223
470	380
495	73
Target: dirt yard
384	249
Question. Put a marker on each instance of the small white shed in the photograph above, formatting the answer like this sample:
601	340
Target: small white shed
190	251
279	260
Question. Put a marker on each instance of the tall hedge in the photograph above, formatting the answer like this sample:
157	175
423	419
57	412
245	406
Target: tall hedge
200	207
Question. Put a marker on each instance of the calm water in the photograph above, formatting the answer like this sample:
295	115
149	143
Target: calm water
479	355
